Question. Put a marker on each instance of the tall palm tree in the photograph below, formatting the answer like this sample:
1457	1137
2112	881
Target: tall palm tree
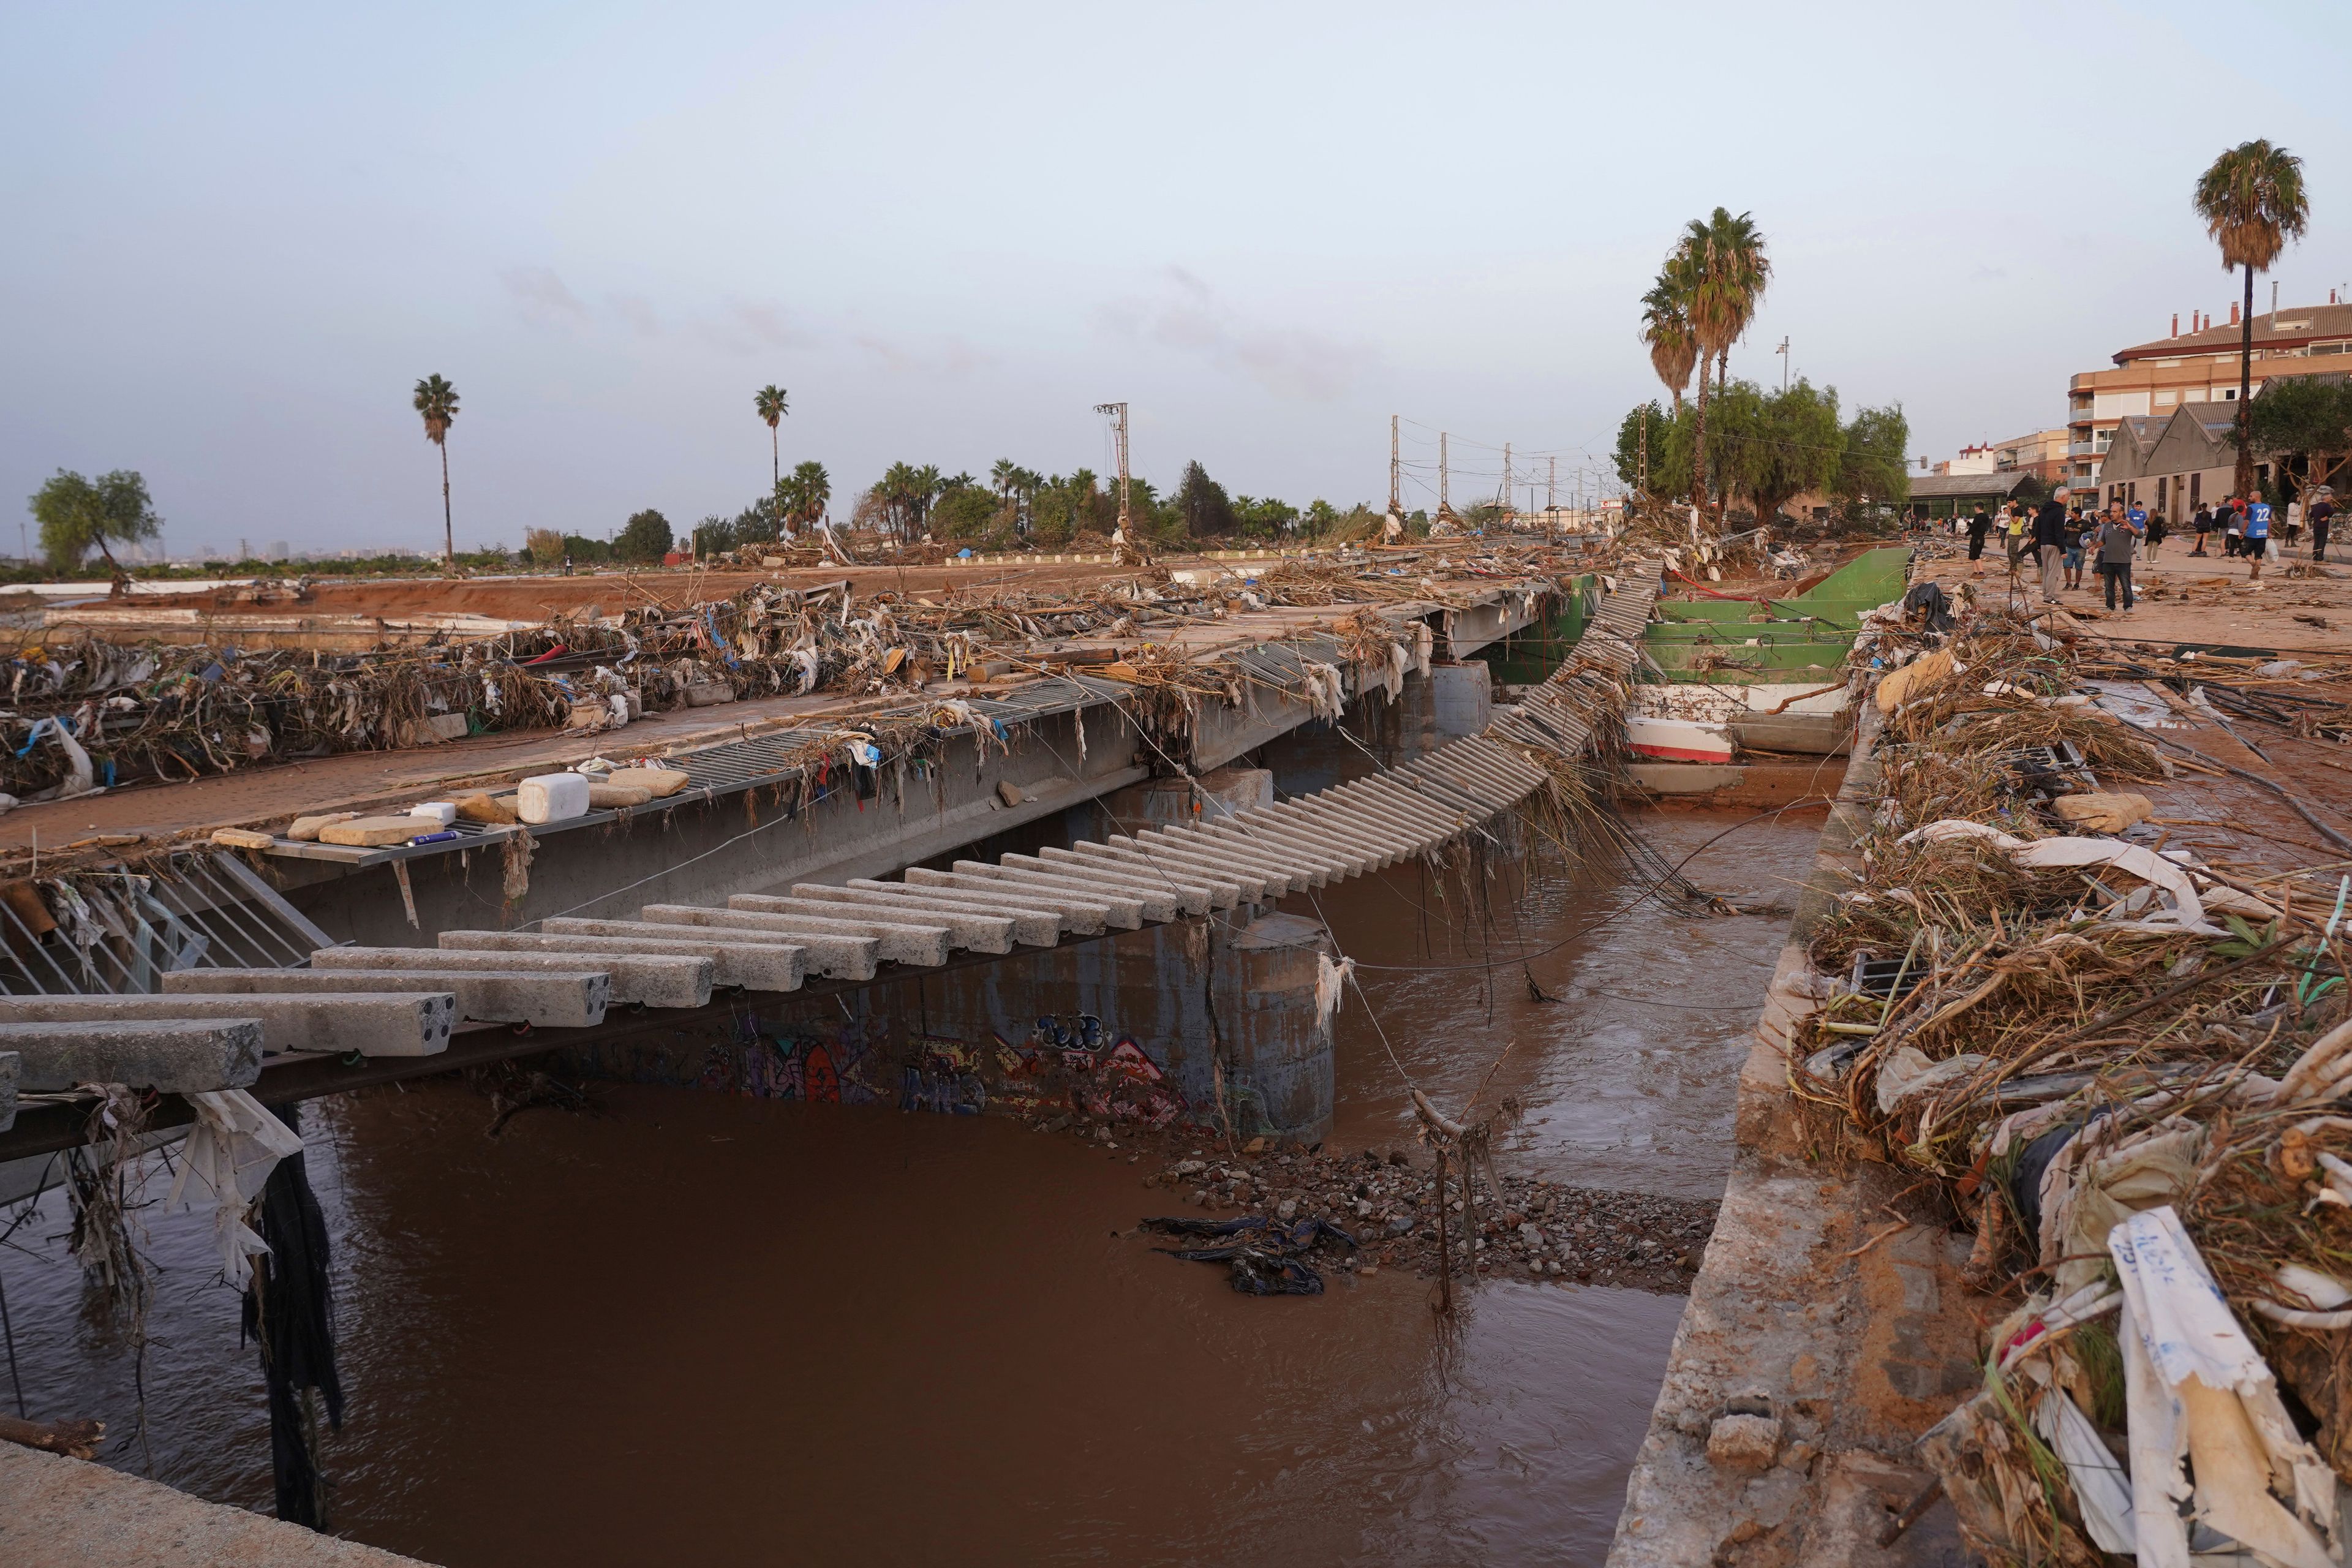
1737	245
2253	203
436	400
1666	328
770	404
1728	271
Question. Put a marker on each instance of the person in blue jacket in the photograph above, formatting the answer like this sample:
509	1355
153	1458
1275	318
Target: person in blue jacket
2257	540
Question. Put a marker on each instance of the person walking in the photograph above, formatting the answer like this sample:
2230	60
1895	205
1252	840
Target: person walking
2232	520
2118	537
2158	526
2293	523
2323	513
2204	525
2078	528
2050	545
2013	534
1979	526
2257	539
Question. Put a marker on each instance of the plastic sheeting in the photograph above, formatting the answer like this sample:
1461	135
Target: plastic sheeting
2197	1388
229	1155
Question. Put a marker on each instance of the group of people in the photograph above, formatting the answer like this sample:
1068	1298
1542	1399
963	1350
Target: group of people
2059	540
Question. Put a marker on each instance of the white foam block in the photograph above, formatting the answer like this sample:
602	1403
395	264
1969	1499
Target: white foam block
552	797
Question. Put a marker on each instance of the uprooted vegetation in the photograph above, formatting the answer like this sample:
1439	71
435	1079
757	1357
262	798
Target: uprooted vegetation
2123	1067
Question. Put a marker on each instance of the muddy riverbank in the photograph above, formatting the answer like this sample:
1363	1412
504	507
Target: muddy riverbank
765	1332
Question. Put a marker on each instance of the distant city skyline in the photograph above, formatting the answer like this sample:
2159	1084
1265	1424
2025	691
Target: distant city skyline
243	233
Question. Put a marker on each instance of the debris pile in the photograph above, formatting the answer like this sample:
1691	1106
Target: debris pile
1386	1201
93	714
2122	1064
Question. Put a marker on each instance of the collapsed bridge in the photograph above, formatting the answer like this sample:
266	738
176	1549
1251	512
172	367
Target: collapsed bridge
323	1017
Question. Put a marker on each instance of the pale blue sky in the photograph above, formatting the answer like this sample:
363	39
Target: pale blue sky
238	234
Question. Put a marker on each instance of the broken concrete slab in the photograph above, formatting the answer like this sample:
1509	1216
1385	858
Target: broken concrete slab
366	1024
175	1056
575	1000
642	981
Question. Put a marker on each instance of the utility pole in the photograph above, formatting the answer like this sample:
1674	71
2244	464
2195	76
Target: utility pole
1118	412
1396	475
1444	499
1784	352
1643	473
1551	485
1506	496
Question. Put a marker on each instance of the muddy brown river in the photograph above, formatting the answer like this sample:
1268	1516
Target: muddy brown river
699	1328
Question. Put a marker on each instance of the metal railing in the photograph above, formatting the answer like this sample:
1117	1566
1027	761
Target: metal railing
117	933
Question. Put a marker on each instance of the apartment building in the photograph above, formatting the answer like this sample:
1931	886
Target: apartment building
2151	380
2042	455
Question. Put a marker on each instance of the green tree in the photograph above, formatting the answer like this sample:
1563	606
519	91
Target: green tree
1207	511
1263	517
436	401
543	545
1648	428
2304	416
713	535
645	538
78	515
1776	445
2252	201
966	512
1872	468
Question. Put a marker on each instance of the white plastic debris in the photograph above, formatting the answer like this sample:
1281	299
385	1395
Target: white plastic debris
1330	980
444	812
552	797
2196	1387
236	1145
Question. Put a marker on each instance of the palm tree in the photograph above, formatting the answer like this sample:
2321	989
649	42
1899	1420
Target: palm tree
2253	203
1666	328
1736	246
926	489
1727	274
436	400
770	404
812	490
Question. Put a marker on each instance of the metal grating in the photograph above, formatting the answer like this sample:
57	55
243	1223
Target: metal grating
116	932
